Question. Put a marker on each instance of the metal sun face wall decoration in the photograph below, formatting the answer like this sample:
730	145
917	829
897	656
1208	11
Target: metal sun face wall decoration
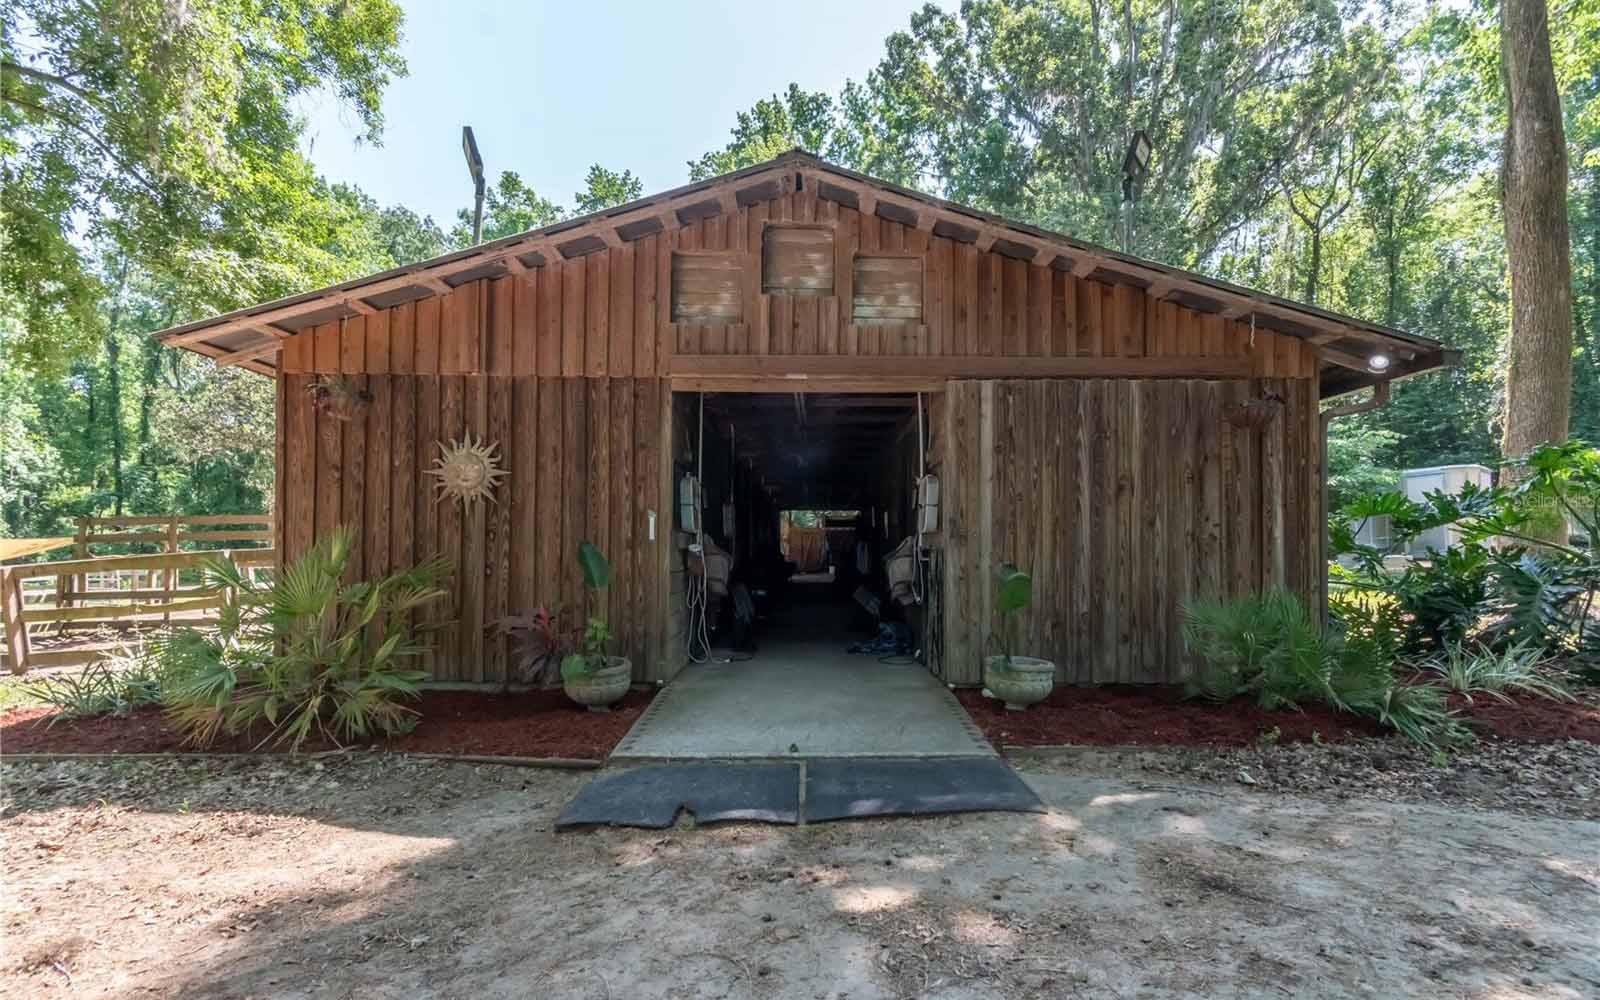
467	471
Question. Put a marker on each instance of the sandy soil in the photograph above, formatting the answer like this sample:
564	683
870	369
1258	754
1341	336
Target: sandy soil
384	877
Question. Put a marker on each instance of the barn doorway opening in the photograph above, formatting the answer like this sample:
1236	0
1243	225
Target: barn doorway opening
797	519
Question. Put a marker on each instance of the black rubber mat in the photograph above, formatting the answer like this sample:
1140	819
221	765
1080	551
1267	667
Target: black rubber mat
850	789
651	795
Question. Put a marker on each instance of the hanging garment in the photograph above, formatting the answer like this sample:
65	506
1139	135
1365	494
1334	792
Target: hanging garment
718	564
900	565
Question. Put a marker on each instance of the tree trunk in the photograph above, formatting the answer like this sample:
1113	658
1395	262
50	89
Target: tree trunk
1391	269
1534	189
114	370
1316	266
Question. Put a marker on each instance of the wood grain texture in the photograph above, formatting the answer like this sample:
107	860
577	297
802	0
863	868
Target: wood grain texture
1112	493
1085	420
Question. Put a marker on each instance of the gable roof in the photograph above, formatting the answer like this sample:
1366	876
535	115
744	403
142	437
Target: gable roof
251	337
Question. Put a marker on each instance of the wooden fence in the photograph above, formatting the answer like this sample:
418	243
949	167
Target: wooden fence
162	533
143	589
192	603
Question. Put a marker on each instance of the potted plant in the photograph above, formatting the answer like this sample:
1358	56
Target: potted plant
1019	681
591	676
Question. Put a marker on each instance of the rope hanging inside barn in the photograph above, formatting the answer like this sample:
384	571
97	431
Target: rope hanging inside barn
919	573
695	586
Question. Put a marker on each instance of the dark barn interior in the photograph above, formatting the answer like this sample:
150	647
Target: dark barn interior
808	493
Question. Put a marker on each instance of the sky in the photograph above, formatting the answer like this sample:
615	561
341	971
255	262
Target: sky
550	88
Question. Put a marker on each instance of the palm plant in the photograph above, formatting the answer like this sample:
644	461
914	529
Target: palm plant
1269	646
1266	645
309	653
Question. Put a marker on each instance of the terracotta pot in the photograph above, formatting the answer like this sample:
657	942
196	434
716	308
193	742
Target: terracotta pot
601	688
1026	680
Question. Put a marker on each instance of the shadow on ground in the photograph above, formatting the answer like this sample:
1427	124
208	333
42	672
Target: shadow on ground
382	877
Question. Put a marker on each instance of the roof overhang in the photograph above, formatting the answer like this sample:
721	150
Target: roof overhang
251	337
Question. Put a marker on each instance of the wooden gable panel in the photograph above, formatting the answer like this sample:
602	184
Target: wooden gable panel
886	288
797	260
707	287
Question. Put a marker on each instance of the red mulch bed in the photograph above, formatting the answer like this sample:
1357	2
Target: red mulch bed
1140	715
1134	715
528	724
1533	720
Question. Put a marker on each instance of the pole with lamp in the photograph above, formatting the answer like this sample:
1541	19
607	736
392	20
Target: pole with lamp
469	147
1135	165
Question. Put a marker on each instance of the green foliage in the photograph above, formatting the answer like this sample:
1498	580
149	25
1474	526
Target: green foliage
591	654
1502	585
593	648
1269	647
510	206
1416	711
108	687
605	189
596	570
1357	462
1522	668
171	132
777	124
1013	593
307	654
1266	646
1015	590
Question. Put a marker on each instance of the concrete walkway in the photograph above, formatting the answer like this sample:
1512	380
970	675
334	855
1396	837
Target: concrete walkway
803	697
804	702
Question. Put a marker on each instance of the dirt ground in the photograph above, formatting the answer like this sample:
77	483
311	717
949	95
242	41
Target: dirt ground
381	876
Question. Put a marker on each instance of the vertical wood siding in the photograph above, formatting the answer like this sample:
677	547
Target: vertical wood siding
610	313
1123	498
1128	494
582	463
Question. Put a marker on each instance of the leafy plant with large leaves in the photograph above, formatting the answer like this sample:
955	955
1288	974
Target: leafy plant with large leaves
1501	585
307	654
1013	592
594	643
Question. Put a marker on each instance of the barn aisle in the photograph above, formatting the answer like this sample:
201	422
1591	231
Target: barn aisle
802	695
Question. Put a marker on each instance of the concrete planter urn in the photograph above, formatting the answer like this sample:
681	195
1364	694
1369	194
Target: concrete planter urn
1026	680
598	689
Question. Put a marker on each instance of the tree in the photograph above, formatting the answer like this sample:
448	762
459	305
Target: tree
1538	242
605	189
1326	190
777	124
408	237
1026	107
169	131
510	206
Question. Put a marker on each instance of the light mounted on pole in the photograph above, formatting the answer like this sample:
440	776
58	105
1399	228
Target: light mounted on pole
1135	165
469	148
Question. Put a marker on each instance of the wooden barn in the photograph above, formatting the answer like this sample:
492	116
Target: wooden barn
797	337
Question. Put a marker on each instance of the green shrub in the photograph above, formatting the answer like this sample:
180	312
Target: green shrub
1269	647
1264	645
1523	669
309	653
1505	584
108	687
1415	711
